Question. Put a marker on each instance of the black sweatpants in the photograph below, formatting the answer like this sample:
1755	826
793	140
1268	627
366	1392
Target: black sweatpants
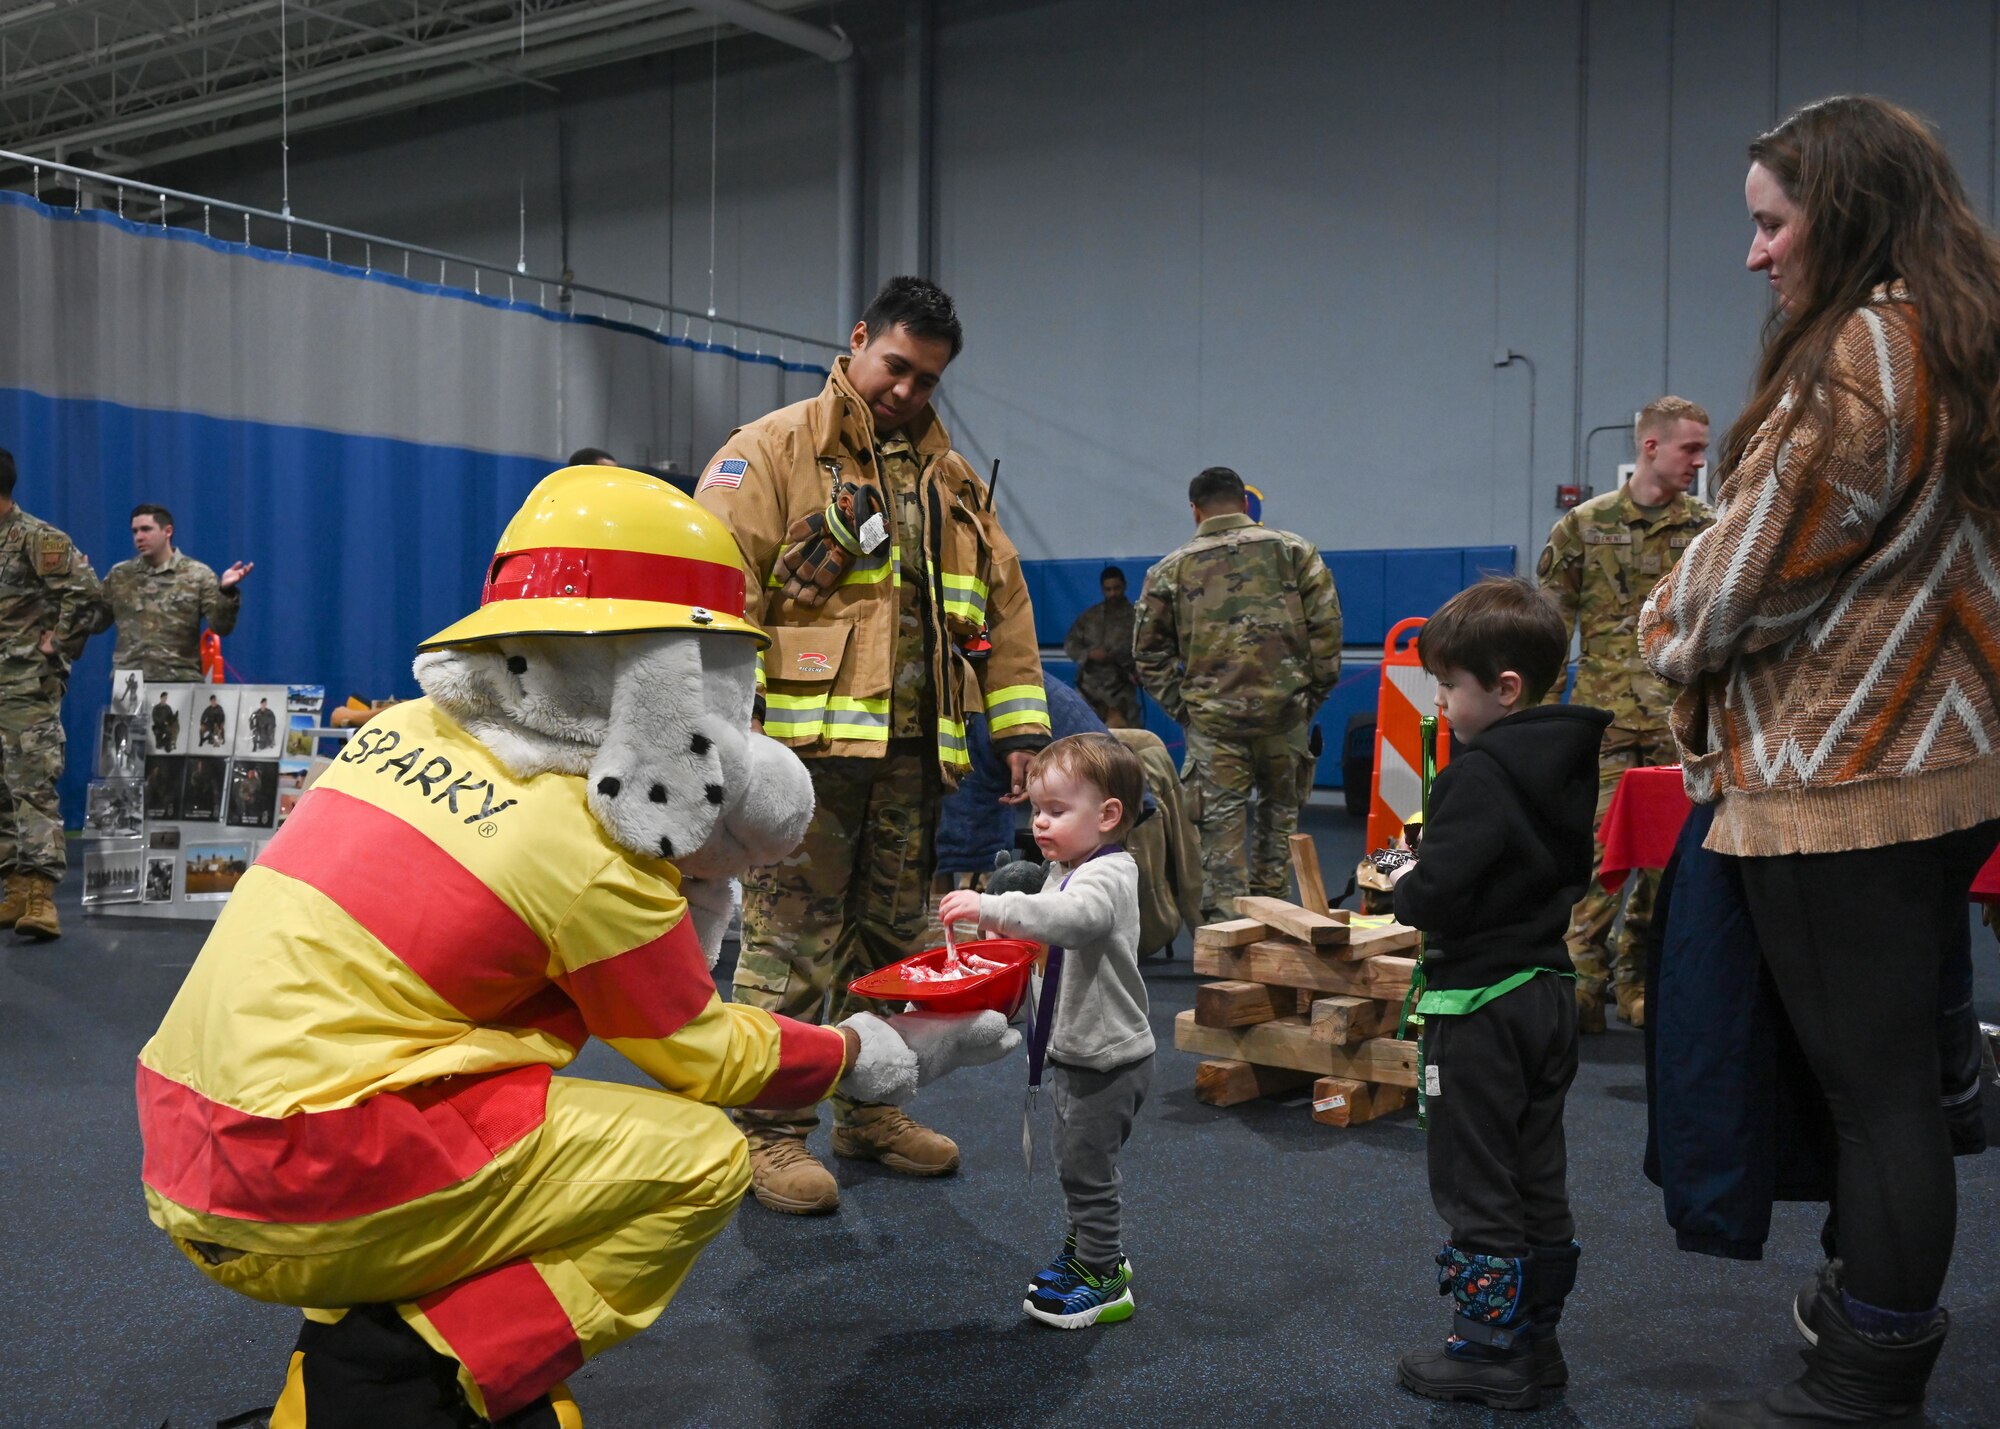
1855	942
1498	1079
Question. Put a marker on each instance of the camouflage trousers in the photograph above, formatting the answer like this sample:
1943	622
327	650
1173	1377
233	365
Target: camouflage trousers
1244	850
853	897
31	761
1589	935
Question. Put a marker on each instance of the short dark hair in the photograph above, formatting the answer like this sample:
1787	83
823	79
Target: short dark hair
919	305
1108	572
590	456
1502	623
1217	486
7	473
161	516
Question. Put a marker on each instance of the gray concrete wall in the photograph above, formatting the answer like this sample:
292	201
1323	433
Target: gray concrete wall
1286	235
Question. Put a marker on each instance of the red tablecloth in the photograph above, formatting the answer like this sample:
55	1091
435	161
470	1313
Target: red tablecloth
1644	822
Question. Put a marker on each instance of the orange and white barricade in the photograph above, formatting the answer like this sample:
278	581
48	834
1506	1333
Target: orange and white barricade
1408	693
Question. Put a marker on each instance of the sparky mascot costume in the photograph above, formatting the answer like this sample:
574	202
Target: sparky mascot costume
349	1107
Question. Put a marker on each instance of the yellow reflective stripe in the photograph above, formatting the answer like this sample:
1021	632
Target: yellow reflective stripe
970	585
870	570
842	729
997	723
996	698
795	702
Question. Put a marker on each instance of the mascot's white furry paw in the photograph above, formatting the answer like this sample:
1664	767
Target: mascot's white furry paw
712	902
912	1049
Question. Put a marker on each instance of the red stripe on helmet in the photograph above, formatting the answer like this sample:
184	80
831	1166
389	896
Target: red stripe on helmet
572	572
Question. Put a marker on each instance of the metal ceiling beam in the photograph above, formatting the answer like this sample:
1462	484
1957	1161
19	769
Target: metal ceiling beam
631	43
831	45
492	40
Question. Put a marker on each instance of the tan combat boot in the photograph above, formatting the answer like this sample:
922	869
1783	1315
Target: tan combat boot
1632	1005
1589	1009
886	1134
16	900
786	1177
38	922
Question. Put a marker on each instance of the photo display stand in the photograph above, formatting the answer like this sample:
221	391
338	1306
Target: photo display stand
191	781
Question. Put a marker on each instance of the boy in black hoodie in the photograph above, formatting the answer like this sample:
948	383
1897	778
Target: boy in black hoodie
1505	856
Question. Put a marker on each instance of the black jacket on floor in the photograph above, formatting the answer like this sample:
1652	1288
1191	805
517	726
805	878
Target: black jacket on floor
1506	850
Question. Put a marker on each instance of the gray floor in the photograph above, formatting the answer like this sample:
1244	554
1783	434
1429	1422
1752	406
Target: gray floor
1280	1265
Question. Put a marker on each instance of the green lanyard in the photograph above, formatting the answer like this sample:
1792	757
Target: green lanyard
1413	1008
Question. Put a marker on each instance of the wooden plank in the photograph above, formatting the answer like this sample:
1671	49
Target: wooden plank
1226	1082
1373	942
1319	929
1306	872
1288	1042
1235	933
1235	1003
1287	964
1344	1101
1341	1020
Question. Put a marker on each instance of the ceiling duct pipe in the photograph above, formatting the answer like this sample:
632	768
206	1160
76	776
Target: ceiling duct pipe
833	46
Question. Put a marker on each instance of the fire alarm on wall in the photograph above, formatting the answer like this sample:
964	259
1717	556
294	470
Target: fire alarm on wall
1568	497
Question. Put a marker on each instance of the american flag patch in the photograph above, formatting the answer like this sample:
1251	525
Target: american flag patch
725	473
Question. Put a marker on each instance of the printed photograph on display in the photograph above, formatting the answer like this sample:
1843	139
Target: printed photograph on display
160	877
128	692
170	718
258	712
164	838
253	793
214	718
115	808
203	789
121	746
288	799
305	705
213	868
111	870
164	775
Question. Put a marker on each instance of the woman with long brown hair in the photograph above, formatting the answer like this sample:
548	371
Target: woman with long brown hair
1838	634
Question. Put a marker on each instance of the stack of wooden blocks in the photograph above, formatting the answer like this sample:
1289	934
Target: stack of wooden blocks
1310	995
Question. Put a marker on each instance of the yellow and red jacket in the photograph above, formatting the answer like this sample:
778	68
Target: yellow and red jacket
379	1009
827	676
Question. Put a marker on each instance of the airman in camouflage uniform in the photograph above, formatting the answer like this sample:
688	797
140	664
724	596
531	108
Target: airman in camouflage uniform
1101	645
50	603
1238	638
161	597
1602	561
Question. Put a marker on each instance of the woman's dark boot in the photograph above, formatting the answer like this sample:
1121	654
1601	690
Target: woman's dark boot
1876	1380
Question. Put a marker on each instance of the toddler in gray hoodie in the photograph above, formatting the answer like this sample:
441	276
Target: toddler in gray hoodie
1087	790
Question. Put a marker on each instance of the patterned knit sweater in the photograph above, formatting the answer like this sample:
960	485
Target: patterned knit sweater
1838	633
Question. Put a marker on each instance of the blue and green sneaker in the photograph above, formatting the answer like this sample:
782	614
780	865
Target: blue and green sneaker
1077	1297
1059	1267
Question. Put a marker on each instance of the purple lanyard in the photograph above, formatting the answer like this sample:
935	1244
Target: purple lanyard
1042	1014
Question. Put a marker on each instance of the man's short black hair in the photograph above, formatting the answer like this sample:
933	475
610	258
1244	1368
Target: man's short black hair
919	305
591	456
1108	572
1216	487
162	517
1502	623
7	474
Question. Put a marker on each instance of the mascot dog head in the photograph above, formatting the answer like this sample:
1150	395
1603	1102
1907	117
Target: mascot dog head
610	644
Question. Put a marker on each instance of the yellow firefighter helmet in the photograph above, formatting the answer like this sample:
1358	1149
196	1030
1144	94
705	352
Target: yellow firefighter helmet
597	550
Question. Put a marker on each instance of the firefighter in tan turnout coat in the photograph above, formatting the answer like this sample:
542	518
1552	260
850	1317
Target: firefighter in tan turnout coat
895	604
